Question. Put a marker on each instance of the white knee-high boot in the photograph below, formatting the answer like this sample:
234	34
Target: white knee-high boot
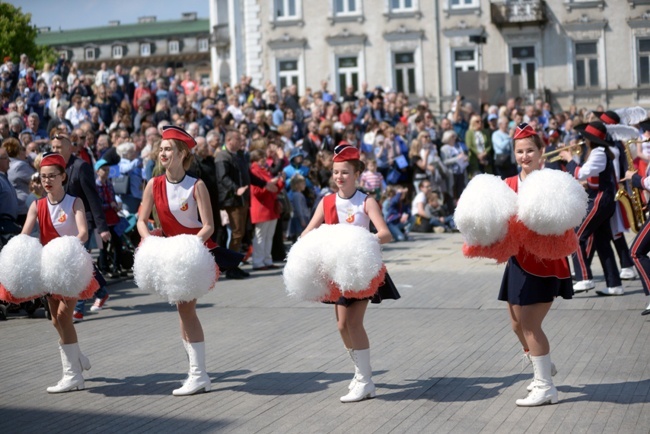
544	392
71	362
197	380
364	387
356	369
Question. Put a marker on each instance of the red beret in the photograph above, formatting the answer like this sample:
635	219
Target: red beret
53	159
174	132
524	130
345	152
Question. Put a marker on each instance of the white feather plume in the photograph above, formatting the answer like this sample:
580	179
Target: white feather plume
484	209
622	132
632	115
20	270
551	202
66	267
178	268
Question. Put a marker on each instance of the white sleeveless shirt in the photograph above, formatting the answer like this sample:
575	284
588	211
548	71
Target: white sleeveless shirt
182	202
352	211
62	216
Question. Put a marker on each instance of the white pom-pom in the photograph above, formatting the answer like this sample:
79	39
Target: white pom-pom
351	256
484	209
147	266
66	267
551	202
20	270
178	268
303	278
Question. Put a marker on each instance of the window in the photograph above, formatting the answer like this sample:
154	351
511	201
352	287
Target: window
404	64
287	73
64	54
145	49
203	45
90	53
117	52
173	47
524	65
345	7
459	4
586	64
348	73
401	5
286	9
464	60
644	61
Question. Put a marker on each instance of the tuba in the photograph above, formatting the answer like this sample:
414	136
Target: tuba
632	203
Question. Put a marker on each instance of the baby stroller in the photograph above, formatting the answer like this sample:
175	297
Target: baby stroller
129	239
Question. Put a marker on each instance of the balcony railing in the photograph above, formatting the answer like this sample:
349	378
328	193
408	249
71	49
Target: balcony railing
518	12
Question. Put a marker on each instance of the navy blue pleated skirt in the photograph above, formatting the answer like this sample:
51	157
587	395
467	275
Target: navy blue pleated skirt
521	288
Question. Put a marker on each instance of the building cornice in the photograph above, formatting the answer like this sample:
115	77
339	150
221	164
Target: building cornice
286	42
345	38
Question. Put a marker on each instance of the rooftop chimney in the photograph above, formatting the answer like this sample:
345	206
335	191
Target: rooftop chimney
188	16
147	19
114	23
44	30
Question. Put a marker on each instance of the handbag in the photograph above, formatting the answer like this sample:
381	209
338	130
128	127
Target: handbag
121	184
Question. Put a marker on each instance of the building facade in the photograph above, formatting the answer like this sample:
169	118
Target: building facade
183	43
583	52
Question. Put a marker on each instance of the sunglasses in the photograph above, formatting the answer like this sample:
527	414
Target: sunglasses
60	137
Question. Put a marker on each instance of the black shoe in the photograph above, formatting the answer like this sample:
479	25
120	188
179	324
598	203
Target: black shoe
242	272
646	312
234	274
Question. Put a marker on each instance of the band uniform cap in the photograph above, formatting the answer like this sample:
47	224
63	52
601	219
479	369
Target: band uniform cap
596	132
609	117
52	159
177	133
524	130
345	152
553	134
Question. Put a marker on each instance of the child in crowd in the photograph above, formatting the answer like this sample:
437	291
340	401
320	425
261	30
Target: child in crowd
300	214
396	212
372	181
110	207
441	219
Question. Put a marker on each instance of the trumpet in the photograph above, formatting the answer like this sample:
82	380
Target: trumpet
556	157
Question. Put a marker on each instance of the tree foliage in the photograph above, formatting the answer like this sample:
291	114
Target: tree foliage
18	36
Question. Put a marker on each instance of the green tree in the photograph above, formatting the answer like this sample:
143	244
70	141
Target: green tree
18	36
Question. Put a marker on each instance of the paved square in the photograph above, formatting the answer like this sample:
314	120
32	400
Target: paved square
444	360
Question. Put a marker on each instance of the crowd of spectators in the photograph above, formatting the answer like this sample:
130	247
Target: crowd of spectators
265	153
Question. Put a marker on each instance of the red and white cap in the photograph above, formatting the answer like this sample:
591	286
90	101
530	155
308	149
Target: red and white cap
52	159
524	130
345	152
177	133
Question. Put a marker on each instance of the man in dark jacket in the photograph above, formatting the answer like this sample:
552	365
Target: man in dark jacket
81	184
233	180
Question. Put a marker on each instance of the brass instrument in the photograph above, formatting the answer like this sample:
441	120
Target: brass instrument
633	204
555	153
